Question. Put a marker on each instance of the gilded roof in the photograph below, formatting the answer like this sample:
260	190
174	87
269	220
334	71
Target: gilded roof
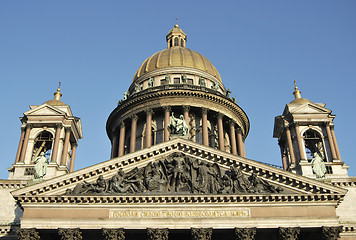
177	57
54	102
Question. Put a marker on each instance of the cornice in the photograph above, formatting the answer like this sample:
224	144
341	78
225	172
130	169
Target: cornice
255	200
303	185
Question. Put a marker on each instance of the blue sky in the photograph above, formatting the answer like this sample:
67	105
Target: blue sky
95	47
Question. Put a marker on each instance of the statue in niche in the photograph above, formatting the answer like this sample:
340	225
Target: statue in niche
215	86
150	82
178	126
40	167
177	173
184	78
202	82
318	166
167	79
126	95
228	93
137	87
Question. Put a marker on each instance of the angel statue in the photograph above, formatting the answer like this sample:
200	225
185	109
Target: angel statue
41	163
178	125
318	166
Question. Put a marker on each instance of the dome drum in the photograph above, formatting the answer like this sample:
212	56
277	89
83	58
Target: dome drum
137	119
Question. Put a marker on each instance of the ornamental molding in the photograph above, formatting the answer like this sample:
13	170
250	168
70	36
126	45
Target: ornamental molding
297	188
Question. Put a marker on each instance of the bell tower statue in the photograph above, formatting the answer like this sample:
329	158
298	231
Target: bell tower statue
307	140
49	132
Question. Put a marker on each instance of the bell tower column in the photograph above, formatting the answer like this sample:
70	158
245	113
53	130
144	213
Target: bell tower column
20	145
25	143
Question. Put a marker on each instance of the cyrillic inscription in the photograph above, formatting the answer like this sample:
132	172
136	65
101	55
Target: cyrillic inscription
115	213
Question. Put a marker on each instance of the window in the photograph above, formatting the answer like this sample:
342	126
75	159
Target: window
163	81
181	43
176	80
313	143
176	42
43	143
190	81
170	43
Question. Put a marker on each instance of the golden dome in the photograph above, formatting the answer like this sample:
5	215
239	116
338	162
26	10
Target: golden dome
55	102
57	98
177	57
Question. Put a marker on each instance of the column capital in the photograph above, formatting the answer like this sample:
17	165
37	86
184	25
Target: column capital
331	233
157	233
122	124
74	144
231	122
115	233
220	115
245	233
291	233
67	128
59	125
70	233
204	110
134	117
149	111
186	108
201	233
167	108
29	126
27	233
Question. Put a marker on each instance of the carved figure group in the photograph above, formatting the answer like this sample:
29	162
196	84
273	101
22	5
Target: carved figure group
178	126
177	174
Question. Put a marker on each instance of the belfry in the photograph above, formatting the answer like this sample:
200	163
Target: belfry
178	167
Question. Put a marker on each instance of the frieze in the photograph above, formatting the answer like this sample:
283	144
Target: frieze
237	213
177	173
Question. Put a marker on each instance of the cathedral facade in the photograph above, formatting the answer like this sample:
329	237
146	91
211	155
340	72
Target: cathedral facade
178	167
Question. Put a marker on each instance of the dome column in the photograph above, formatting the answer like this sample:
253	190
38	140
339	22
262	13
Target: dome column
25	143
56	143
186	114
284	158
240	143
133	133
221	132
66	145
335	143
167	112
17	158
300	143
72	160
122	139
149	113
331	142
290	144
114	144
205	126
233	137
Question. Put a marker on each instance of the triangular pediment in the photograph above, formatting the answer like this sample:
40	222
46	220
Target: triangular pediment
278	181
307	108
44	110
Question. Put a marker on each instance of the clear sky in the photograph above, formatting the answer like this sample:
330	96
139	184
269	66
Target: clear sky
95	47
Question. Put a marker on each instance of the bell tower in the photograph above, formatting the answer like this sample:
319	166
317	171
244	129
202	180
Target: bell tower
306	136
51	129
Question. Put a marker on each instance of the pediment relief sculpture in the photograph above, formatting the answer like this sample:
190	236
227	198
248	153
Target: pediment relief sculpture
177	173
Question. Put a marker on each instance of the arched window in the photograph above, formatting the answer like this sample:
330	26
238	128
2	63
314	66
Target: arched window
313	143
182	43
170	43
176	42
43	143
